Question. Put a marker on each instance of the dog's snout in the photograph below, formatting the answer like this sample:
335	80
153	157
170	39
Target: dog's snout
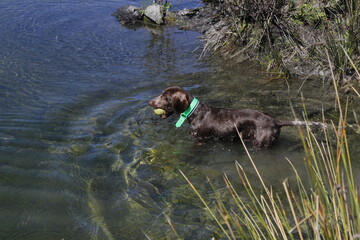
151	102
154	102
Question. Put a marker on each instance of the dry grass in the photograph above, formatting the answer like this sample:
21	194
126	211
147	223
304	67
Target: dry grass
292	36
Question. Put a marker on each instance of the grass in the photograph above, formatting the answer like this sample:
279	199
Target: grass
292	37
327	208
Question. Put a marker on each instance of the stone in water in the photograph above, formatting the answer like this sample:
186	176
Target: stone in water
155	13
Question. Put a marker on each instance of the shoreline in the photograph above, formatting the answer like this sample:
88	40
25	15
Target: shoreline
309	40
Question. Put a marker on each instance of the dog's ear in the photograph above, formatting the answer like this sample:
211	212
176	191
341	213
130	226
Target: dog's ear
180	102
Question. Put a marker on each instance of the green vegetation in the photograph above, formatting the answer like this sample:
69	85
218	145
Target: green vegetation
326	208
293	36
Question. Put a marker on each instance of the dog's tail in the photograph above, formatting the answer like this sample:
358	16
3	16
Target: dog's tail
281	123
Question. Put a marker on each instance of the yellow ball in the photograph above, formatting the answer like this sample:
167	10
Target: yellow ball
159	111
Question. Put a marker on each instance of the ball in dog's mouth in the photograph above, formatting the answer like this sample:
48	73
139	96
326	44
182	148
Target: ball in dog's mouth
159	111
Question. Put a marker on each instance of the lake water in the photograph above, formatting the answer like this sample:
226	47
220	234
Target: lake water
82	156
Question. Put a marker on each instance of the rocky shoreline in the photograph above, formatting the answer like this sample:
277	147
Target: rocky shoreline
197	19
292	42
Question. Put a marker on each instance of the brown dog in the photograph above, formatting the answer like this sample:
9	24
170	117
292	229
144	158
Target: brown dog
208	122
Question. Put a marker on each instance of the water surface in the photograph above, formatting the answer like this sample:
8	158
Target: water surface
83	156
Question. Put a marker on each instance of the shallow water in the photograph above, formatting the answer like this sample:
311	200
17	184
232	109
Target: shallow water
83	156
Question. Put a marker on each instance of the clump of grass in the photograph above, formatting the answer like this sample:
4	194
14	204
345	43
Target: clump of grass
291	36
327	209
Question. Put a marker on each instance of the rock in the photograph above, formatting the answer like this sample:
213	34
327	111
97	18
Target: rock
155	13
197	19
129	15
79	148
184	12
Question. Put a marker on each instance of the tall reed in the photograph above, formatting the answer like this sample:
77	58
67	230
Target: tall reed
327	208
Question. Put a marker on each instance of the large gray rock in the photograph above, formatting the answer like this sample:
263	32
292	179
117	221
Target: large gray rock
129	15
155	13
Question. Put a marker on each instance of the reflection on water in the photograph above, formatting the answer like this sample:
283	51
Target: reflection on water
82	155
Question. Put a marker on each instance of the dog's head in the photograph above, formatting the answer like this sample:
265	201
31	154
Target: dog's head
172	100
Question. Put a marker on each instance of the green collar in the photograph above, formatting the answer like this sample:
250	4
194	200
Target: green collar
187	113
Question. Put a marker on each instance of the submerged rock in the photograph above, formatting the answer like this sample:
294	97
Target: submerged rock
156	13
